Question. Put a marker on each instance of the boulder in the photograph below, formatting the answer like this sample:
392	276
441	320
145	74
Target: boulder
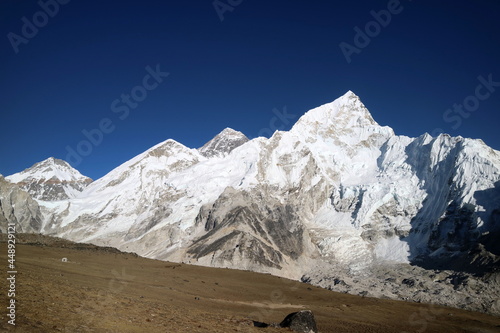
302	322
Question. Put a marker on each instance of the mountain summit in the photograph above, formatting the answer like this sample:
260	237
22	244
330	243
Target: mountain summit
345	121
50	180
223	143
345	112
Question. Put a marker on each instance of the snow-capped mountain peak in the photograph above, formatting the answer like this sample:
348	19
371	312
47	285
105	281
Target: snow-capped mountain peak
223	143
47	169
345	113
50	180
153	164
231	132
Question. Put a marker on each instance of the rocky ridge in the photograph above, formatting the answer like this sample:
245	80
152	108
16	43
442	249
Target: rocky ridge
223	143
51	180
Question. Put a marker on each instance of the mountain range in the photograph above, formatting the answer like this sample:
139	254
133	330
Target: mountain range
338	201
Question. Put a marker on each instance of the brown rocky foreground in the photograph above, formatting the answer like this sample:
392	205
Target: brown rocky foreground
69	287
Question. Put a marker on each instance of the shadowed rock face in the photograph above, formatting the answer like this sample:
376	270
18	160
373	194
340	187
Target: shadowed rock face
240	227
18	208
52	189
456	229
223	143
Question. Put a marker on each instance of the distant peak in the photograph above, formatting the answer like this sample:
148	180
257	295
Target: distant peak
165	148
53	161
169	143
230	131
49	163
50	180
47	169
223	143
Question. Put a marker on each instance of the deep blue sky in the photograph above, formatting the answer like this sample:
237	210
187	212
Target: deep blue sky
233	73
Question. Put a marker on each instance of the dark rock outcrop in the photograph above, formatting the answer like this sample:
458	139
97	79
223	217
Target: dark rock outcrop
302	322
223	143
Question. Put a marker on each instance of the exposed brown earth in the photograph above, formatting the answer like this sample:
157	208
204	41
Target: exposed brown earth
104	290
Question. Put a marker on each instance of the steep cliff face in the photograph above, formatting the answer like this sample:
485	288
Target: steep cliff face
19	209
249	230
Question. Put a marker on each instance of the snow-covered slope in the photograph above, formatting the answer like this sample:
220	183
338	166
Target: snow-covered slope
51	180
128	199
338	192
